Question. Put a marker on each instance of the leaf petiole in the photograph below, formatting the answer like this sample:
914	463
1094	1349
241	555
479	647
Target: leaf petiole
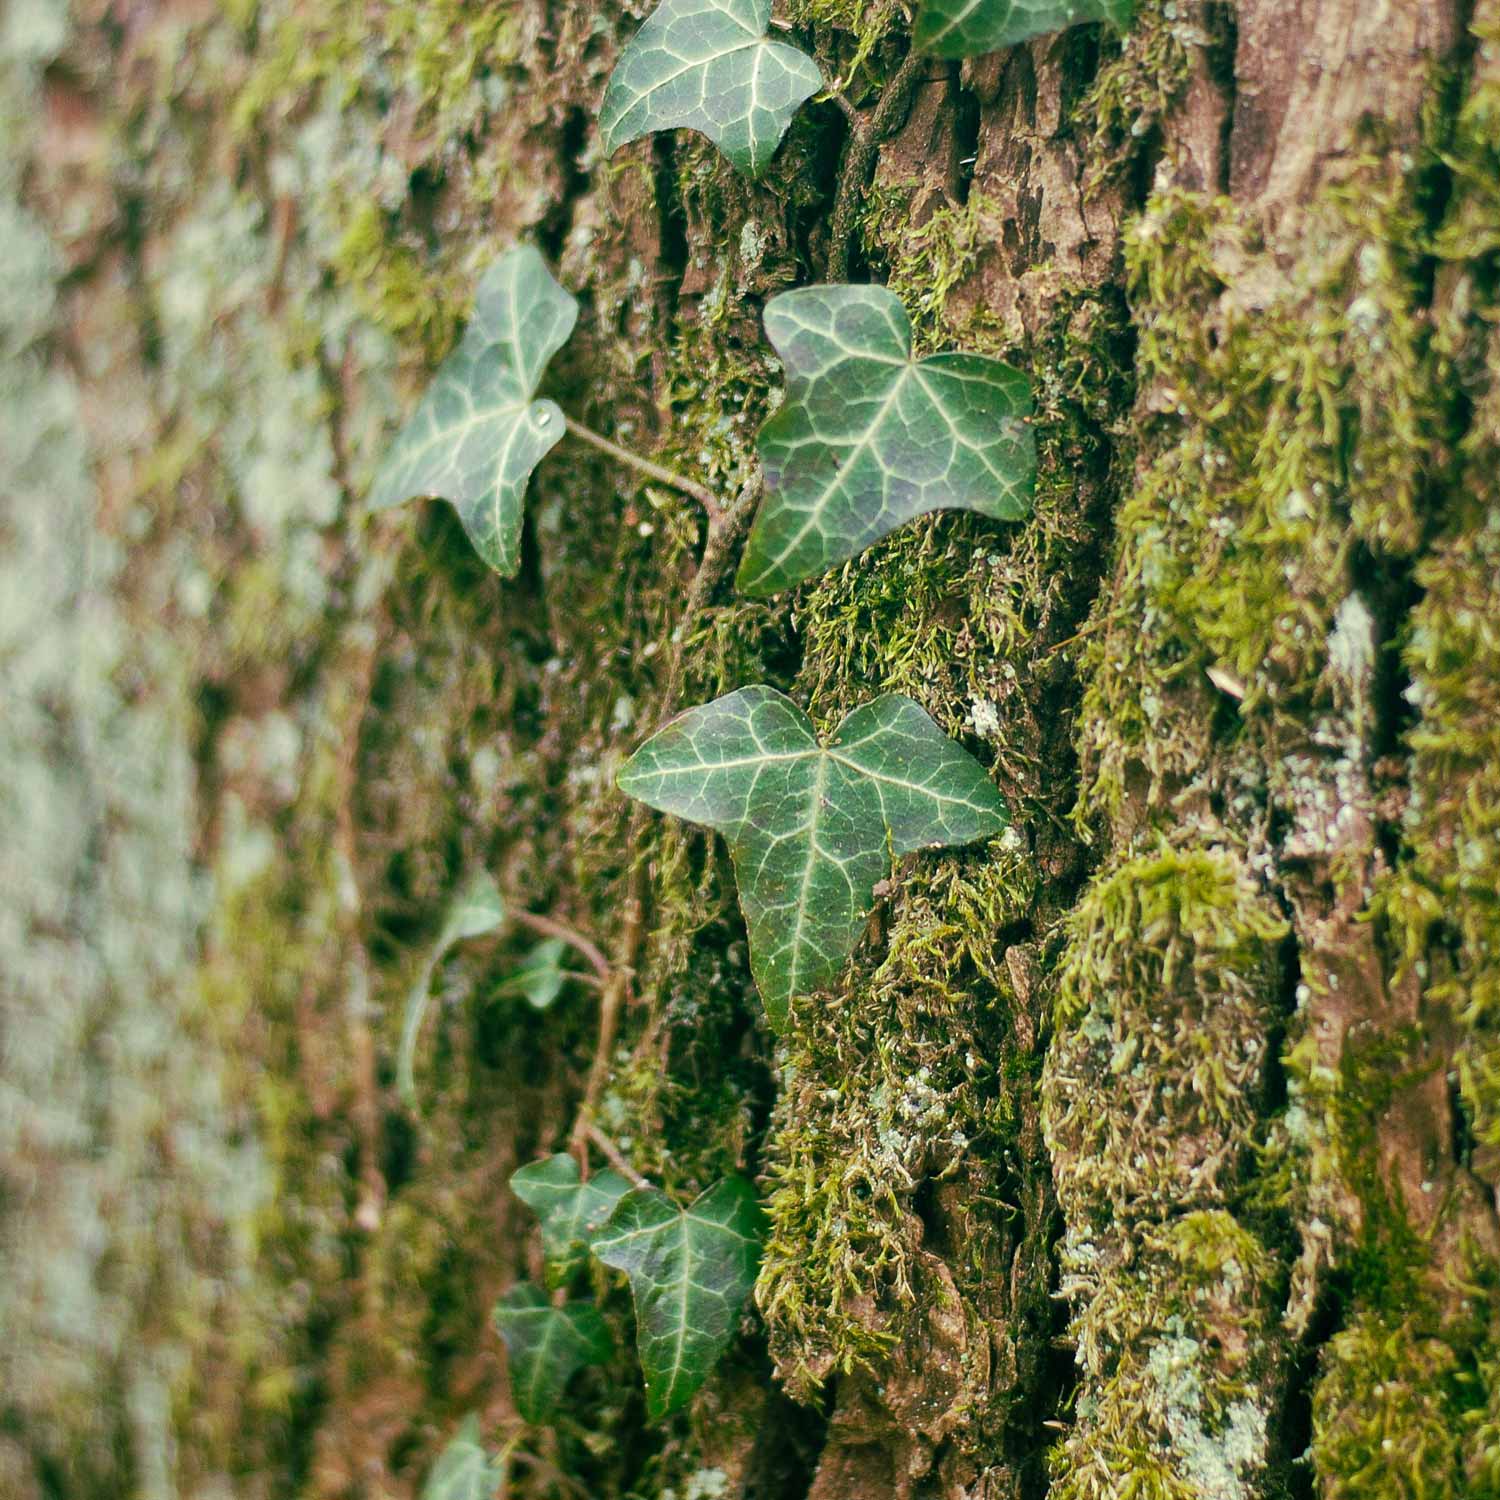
551	927
662	475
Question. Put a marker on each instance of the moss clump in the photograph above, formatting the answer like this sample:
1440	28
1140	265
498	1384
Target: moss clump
1165	994
1387	1415
1293	416
1125	110
846	32
1174	1344
1151	1099
1443	904
893	1086
930	260
1407	1404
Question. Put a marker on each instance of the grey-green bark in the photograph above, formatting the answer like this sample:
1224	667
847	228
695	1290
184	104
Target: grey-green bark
1153	1155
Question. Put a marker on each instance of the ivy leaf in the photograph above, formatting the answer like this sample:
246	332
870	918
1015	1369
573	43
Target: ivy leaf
811	829
476	909
540	976
965	28
689	1271
464	1469
869	438
570	1210
547	1346
478	433
708	65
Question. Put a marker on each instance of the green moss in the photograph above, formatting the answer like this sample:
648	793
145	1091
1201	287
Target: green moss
1293	419
895	1083
928	261
1135	89
1406	1405
1151	1094
863	28
1383	1418
1443	904
1165	994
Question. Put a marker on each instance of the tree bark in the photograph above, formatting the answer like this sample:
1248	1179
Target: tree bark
1151	1153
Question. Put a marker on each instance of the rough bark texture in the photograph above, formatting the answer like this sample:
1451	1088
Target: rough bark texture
1151	1154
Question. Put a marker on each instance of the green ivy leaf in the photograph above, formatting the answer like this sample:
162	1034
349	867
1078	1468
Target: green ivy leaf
476	908
869	438
708	65
689	1271
547	1346
965	28
464	1469
478	433
570	1210
540	976
810	829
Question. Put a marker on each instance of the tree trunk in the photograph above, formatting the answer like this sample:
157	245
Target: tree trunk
1151	1154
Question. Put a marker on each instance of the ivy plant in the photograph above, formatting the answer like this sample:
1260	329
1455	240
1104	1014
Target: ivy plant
689	1271
869	438
708	65
547	1346
539	977
475	910
966	28
480	431
570	1210
811	828
465	1469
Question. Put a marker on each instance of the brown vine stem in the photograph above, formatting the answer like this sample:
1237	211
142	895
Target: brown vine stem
549	927
615	1157
725	527
866	134
662	475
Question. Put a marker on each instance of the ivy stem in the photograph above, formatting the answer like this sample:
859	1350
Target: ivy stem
699	492
724	530
614	1156
851	113
549	927
867	131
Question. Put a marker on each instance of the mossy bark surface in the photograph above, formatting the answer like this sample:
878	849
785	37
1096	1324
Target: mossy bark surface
1149	1152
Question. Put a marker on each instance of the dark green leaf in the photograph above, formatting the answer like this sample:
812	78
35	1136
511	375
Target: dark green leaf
707	65
689	1271
464	1469
810	829
476	909
570	1210
965	28
869	438
547	1346
478	433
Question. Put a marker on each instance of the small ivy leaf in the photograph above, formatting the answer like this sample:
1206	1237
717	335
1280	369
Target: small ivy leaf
570	1210
540	976
477	908
869	438
689	1271
464	1469
478	433
547	1346
966	28
707	65
811	829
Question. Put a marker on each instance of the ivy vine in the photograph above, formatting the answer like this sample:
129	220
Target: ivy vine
866	439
